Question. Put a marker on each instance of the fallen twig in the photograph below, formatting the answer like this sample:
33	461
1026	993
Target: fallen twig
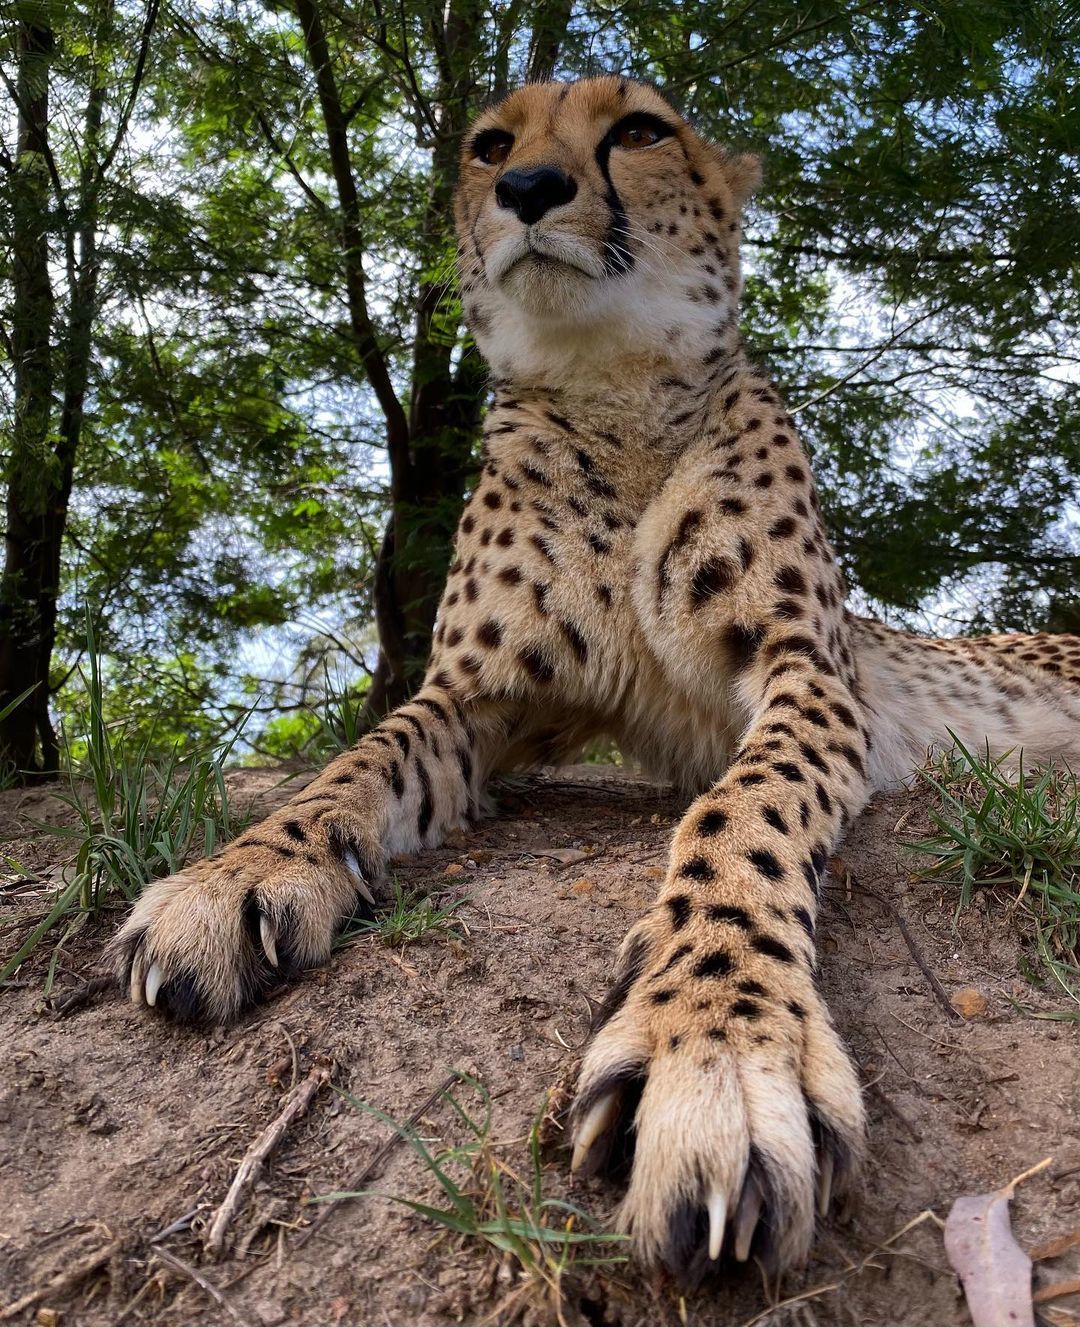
940	993
297	1103
371	1168
64	1281
81	995
194	1275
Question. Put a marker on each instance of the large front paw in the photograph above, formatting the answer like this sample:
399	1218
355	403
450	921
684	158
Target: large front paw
719	1068
218	935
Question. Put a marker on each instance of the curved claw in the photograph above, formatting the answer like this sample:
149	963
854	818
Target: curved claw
717	1209
824	1181
154	978
352	865
595	1123
268	935
746	1218
137	977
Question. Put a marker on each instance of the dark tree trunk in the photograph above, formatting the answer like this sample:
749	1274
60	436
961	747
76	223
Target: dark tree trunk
36	497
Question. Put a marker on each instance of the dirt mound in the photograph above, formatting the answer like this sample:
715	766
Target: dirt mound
115	1127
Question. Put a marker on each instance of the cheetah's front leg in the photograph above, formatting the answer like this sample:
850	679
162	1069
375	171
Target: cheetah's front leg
747	1103
219	934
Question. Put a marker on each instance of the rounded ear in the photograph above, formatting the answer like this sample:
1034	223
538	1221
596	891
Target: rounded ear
742	170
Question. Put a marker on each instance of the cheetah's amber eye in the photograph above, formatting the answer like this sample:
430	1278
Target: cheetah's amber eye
638	136
637	131
493	146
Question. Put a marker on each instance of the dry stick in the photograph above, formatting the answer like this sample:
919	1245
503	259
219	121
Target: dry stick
82	995
369	1171
296	1104
940	993
194	1275
65	1281
916	953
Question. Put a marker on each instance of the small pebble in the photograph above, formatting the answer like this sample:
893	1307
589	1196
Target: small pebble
517	1053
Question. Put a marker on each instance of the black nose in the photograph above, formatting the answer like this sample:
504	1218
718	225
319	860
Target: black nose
533	193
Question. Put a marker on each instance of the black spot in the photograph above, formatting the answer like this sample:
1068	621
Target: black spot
795	1008
746	1009
773	948
293	830
722	912
662	997
717	1034
402	739
536	665
742	643
697	868
489	634
716	964
576	641
766	864
790	580
713	577
751	988
772	817
679	906
712	822
805	921
791	772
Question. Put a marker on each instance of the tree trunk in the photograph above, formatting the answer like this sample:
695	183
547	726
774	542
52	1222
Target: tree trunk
28	583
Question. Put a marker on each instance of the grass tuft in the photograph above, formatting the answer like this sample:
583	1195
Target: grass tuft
543	1240
412	917
136	820
1015	833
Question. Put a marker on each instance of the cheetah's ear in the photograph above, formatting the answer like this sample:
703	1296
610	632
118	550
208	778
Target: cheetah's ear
742	171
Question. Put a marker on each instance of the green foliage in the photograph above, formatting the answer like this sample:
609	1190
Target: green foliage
1017	836
486	1202
912	283
135	819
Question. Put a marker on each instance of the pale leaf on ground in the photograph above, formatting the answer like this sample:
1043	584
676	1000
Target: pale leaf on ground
994	1269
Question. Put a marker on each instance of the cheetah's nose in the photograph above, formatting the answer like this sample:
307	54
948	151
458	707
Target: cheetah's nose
533	193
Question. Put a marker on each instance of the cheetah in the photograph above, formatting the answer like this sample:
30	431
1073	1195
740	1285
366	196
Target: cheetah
643	557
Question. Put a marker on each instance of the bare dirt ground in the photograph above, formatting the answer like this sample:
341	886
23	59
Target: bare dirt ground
114	1126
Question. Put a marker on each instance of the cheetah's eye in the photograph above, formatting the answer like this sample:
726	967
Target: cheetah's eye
638	131
492	147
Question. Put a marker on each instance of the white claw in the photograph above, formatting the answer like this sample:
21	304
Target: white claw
138	977
746	1220
352	865
717	1206
592	1126
269	938
824	1182
153	984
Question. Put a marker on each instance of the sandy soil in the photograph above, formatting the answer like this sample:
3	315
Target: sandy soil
115	1126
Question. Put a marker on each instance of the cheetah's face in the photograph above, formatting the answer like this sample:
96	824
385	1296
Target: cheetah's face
594	202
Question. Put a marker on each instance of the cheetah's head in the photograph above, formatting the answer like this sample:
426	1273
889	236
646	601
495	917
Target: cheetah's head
593	222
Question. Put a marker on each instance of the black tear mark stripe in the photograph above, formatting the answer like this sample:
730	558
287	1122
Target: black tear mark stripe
618	260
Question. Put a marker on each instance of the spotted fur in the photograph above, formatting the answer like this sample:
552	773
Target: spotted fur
643	556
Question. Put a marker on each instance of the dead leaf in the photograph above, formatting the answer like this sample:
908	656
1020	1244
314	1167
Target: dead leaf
1054	1248
968	1002
455	868
583	886
1058	1289
564	856
994	1269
